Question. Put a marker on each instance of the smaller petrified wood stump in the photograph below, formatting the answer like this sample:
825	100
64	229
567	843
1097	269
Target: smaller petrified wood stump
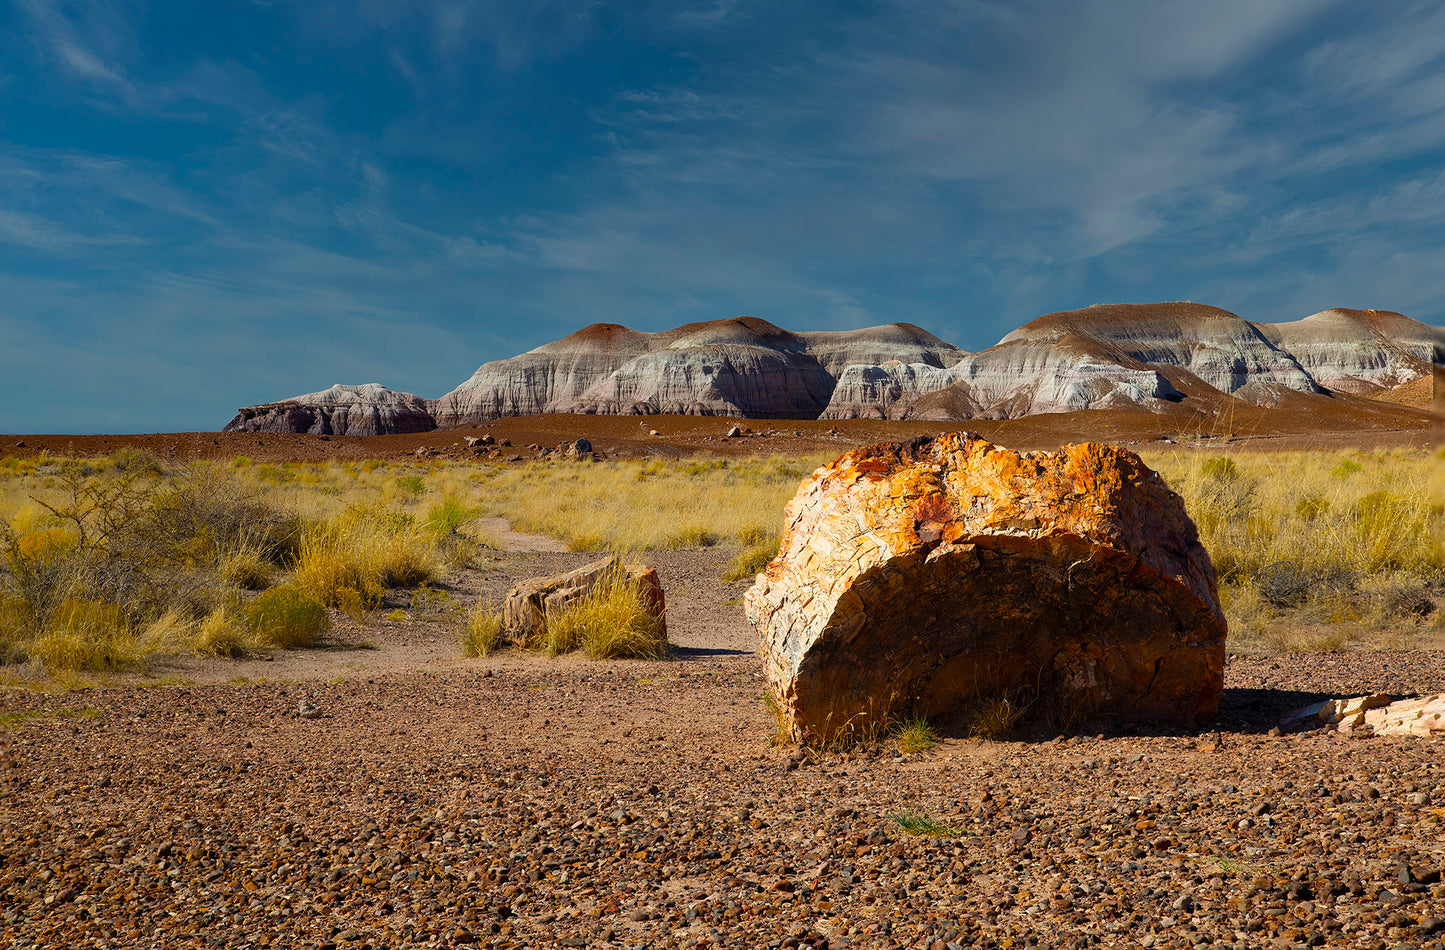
524	612
919	578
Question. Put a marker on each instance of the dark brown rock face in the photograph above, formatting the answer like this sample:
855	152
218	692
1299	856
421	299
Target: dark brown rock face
927	576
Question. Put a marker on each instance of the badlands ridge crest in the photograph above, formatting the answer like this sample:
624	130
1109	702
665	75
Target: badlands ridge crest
1145	356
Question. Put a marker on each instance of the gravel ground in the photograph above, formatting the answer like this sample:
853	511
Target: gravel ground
513	801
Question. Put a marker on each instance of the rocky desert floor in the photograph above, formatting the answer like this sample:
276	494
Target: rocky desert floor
516	801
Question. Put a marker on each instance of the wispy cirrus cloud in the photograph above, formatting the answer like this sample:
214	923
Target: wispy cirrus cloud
398	191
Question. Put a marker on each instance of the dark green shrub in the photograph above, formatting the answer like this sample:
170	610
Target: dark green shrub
288	618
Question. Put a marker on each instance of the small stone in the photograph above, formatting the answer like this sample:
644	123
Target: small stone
307	710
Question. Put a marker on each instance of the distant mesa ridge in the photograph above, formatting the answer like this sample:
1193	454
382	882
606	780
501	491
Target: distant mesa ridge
1146	356
369	409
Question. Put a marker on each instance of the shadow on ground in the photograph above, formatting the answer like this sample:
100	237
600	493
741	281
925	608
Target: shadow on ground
703	653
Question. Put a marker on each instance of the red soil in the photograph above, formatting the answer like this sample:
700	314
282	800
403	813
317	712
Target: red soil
1299	422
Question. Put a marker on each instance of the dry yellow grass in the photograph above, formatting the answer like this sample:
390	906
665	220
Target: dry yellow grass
483	632
1316	551
1319	551
611	621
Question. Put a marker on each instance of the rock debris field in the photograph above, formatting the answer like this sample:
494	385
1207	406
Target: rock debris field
520	802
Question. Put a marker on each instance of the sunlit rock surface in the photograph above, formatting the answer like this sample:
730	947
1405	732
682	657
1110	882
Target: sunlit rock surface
918	578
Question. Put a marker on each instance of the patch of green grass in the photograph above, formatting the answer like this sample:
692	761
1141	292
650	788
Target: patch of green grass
915	735
9	720
447	517
411	484
922	826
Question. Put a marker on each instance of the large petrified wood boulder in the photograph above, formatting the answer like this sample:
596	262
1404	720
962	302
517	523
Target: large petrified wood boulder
529	602
918	578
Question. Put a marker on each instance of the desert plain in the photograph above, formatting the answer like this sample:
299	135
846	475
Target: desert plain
381	789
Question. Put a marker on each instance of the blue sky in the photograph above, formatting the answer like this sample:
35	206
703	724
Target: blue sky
204	206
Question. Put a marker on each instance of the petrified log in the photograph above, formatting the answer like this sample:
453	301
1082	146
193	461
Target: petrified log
525	610
917	578
1421	716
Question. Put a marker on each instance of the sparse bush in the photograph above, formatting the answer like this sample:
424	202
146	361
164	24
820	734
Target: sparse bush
1220	469
411	484
136	460
288	618
447	517
992	718
1347	468
356	604
483	633
429	600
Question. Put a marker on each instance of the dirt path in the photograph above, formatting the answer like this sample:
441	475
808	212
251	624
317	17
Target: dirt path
513	542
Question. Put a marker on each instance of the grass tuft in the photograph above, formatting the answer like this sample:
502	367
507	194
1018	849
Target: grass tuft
483	633
752	560
781	735
922	826
224	633
915	736
88	636
992	718
611	621
693	536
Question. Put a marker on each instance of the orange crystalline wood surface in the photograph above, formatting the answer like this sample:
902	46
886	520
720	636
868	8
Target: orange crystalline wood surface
921	577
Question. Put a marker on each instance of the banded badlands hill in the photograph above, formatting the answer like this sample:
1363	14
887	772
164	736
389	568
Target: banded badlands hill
1145	356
